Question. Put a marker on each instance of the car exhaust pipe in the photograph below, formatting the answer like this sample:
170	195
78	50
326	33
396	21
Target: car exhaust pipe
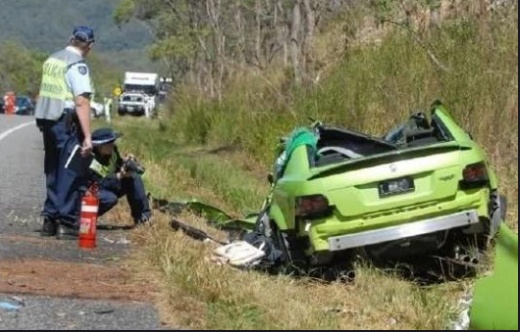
347	276
465	259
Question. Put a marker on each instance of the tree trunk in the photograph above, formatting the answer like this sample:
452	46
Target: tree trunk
294	41
258	34
213	11
282	33
310	21
241	39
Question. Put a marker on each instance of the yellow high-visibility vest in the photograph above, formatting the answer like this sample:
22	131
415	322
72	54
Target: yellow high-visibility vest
103	170
53	83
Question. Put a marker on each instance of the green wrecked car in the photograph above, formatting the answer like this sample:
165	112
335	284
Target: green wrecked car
424	188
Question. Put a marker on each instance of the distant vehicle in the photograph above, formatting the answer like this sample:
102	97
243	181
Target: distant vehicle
135	103
165	85
97	109
24	106
139	93
141	82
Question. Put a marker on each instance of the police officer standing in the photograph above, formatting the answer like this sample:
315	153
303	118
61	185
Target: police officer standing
63	115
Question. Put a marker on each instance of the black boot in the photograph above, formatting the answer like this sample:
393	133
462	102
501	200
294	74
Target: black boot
66	232
49	227
145	219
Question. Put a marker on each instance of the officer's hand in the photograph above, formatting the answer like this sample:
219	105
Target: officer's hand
129	156
86	148
125	174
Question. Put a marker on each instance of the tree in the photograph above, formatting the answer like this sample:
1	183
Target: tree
20	69
203	42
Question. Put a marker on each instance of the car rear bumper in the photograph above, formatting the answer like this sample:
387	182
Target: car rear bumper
132	108
320	231
422	227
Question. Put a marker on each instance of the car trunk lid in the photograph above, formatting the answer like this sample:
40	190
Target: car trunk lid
393	181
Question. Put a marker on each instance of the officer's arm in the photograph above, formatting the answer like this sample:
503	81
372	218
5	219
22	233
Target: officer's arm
82	104
79	80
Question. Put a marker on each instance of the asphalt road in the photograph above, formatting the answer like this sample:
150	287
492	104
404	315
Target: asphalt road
22	304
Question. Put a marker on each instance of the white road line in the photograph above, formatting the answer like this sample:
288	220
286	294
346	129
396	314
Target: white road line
12	130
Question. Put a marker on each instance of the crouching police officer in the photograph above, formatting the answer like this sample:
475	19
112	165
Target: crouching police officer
114	179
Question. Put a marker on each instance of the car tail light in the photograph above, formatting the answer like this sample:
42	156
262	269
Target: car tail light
312	206
474	176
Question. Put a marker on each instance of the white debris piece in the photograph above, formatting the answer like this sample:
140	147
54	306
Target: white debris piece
240	253
123	240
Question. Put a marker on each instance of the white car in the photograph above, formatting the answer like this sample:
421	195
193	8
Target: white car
136	103
97	109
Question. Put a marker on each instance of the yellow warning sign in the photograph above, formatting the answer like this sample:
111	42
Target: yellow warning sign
117	91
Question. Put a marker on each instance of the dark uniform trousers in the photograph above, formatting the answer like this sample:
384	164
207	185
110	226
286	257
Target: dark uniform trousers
63	200
133	188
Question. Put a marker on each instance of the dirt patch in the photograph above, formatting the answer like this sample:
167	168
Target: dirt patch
108	278
77	280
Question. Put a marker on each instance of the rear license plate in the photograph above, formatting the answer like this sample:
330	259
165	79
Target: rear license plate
130	109
396	186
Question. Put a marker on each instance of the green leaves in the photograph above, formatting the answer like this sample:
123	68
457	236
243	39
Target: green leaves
172	47
20	68
124	11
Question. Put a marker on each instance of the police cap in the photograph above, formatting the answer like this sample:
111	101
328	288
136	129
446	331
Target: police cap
83	33
104	136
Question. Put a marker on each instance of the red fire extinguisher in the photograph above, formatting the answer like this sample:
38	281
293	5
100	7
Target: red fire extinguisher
88	218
